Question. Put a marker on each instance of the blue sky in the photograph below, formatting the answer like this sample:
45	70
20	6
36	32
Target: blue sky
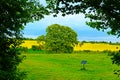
76	22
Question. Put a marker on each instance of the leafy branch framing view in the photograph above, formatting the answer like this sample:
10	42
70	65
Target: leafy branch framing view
15	14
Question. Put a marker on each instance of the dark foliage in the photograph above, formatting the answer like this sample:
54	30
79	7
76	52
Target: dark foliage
14	14
116	58
34	47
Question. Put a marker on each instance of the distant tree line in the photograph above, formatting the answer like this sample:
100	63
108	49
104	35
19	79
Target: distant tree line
28	38
105	42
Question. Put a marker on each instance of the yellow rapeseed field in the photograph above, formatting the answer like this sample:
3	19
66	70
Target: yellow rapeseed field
84	46
96	47
29	43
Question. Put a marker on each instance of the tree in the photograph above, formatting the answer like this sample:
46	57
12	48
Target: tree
116	60
103	14
41	38
41	41
14	14
60	38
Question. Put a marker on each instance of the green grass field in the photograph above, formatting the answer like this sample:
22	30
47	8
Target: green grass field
68	67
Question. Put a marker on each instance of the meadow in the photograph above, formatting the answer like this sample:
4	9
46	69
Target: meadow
40	66
68	66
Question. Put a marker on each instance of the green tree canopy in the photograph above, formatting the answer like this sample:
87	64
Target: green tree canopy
41	38
103	14
60	38
41	41
14	14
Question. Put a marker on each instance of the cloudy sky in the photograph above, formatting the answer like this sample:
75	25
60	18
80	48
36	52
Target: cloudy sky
76	22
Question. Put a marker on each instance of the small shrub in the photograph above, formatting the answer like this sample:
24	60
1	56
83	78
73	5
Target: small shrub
117	72
23	49
108	51
86	51
116	58
34	47
42	47
77	51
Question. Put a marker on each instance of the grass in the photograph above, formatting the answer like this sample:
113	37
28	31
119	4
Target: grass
68	67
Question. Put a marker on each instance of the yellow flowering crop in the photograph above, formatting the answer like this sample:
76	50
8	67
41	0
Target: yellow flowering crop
96	47
85	46
29	43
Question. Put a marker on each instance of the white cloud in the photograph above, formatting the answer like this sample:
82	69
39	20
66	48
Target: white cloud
30	36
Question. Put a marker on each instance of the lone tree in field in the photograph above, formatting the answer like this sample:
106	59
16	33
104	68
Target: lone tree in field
60	38
14	14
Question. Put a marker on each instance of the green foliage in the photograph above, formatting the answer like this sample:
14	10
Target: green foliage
116	58
14	14
9	59
28	38
23	49
41	38
69	49
117	72
18	75
60	38
41	41
34	47
103	14
86	51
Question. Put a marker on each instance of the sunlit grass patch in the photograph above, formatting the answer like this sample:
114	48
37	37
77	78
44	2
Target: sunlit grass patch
68	67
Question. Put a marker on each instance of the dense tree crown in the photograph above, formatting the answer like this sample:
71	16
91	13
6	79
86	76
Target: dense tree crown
14	14
60	38
41	38
103	14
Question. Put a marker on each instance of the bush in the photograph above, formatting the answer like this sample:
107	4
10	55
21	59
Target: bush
42	47
15	75
34	47
66	49
116	58
23	49
69	49
86	50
